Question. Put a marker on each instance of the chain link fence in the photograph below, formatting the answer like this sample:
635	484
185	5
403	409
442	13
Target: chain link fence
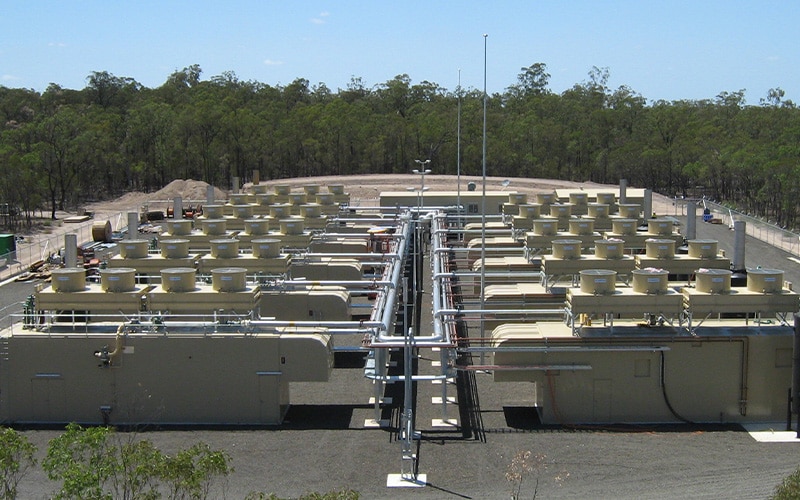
40	247
756	227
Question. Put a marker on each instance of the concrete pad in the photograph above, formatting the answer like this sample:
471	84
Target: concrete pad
771	433
450	423
403	481
371	423
384	401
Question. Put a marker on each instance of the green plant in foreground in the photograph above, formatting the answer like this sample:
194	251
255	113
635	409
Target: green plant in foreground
333	495
97	463
16	457
789	489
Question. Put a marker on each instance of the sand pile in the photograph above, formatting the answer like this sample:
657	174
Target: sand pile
190	190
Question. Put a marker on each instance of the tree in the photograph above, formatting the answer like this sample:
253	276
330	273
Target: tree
97	463
64	146
190	473
82	460
108	90
16	458
534	80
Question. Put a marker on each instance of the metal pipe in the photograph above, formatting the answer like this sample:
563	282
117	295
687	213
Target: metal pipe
496	274
538	367
739	233
796	369
478	217
351	236
362	325
461	312
691	220
556	348
402	378
349	255
483	249
345	284
390	297
507	230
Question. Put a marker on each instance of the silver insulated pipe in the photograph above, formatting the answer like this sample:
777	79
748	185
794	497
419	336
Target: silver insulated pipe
623	188
739	233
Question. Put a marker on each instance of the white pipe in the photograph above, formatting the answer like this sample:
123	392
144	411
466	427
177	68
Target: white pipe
353	255
556	348
357	236
396	270
485	249
401	378
496	274
363	326
501	312
507	230
345	284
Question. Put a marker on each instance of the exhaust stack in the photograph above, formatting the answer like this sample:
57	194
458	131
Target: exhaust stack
691	220
739	276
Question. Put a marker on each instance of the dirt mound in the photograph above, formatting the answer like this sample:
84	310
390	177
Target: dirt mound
190	190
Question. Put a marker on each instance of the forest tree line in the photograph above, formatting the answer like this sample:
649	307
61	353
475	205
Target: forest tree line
62	148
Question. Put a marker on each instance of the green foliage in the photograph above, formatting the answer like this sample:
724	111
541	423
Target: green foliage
115	135
97	463
334	495
789	489
16	458
80	458
190	473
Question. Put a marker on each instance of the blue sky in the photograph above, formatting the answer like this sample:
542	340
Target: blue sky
667	50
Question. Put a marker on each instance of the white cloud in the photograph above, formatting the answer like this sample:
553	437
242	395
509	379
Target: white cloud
270	62
56	44
9	78
320	19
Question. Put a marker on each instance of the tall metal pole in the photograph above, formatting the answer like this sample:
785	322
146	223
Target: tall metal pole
422	172
483	205
458	148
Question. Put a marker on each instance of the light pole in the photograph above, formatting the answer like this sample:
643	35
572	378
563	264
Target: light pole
458	150
483	205
422	172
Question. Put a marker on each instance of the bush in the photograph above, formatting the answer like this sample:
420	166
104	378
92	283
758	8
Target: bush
790	487
16	457
97	463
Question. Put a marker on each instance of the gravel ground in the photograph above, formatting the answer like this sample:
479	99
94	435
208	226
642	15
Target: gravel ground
323	445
